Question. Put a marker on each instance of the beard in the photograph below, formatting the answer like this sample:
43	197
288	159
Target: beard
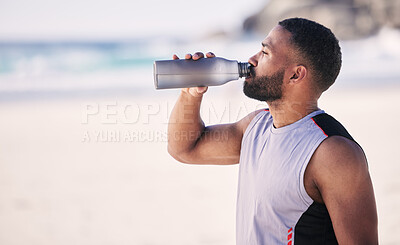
265	88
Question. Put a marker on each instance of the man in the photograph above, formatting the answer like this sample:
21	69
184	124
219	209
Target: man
302	177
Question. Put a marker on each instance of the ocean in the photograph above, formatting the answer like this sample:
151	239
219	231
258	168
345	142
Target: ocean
29	68
73	68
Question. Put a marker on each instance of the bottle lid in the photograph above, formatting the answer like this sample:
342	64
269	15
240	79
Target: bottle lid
244	69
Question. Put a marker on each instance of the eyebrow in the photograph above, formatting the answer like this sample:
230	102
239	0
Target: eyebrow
266	45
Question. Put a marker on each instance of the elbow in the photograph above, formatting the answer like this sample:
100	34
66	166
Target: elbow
179	156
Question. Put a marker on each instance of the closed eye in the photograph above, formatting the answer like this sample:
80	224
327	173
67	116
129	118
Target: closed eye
265	53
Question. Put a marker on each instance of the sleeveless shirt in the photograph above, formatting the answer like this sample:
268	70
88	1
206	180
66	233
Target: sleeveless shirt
273	206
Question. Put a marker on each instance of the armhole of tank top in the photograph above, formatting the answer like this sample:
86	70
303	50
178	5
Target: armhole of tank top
253	123
302	189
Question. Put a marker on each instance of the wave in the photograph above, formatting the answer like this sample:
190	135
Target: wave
30	59
87	66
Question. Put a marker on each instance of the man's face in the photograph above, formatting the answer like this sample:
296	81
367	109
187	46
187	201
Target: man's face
267	76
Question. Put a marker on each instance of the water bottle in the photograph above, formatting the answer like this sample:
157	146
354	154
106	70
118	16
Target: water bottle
196	73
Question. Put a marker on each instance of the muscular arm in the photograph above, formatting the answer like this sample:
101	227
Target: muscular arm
190	141
340	173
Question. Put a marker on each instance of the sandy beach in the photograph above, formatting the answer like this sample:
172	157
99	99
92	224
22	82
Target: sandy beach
96	170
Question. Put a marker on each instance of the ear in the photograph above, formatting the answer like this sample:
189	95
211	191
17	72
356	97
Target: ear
299	73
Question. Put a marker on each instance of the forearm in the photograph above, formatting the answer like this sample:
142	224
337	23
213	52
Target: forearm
185	125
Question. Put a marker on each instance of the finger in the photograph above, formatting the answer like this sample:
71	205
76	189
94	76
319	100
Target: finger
188	56
198	55
175	57
195	91
210	55
201	90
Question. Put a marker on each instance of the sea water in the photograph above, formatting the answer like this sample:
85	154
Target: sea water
72	67
29	69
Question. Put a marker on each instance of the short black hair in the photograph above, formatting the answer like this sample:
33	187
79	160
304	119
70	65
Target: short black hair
318	46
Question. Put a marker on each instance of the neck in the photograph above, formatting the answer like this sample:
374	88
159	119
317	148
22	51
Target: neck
288	112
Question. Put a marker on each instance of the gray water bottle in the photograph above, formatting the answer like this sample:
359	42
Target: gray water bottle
196	73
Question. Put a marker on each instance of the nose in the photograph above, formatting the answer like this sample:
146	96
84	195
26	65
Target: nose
253	60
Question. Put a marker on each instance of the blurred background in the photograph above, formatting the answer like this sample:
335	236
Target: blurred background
83	156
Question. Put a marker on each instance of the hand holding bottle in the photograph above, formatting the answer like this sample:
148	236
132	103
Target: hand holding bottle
195	91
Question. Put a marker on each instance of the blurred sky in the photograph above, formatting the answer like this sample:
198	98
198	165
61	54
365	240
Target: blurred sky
119	19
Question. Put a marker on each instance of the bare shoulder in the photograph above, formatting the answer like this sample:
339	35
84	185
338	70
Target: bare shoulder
338	158
337	152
